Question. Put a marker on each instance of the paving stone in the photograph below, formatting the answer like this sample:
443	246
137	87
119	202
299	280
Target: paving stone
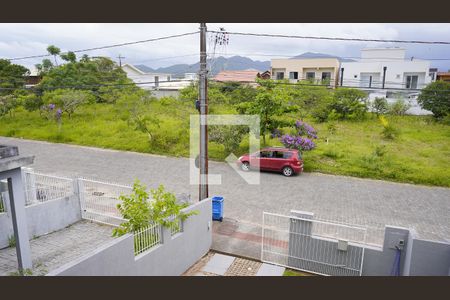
58	248
243	267
372	203
270	270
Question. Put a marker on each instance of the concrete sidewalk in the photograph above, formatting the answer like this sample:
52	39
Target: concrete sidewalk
237	238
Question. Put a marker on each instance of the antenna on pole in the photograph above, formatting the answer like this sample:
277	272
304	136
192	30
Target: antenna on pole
120	60
203	100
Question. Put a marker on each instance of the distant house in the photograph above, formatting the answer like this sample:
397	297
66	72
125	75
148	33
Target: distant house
386	68
304	68
33	78
245	76
265	75
444	76
146	80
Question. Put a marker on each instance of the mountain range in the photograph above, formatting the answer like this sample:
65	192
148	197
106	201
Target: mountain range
234	63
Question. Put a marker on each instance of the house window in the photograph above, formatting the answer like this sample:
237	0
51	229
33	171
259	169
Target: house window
293	75
411	81
326	76
280	75
310	75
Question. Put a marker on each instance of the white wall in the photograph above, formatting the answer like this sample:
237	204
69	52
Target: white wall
140	77
396	72
171	258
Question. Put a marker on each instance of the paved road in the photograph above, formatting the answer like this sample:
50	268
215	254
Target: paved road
339	198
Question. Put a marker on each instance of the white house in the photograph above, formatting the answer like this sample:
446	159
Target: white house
386	72
140	77
386	68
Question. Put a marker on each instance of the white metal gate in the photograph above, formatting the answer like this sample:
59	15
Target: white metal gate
99	201
314	246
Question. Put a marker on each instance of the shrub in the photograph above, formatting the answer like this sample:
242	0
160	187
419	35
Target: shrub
138	210
32	102
389	132
380	105
298	140
68	100
435	97
229	136
349	104
7	104
398	108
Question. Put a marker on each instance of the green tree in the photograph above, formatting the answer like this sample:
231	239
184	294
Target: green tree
55	51
12	76
100	75
435	97
44	67
69	57
270	102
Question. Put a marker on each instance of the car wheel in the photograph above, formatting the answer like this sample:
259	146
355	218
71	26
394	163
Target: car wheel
245	166
287	171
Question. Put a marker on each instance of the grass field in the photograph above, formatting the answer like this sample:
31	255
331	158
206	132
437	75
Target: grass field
420	154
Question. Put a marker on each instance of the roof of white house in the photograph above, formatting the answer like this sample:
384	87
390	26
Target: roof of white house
134	68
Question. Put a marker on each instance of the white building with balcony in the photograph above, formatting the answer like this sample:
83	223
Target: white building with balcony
386	72
386	68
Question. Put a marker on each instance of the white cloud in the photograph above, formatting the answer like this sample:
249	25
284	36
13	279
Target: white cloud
30	39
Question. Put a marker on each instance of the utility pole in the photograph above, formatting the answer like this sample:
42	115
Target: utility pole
120	60
203	99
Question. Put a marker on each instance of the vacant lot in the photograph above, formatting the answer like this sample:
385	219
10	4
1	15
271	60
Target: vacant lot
420	154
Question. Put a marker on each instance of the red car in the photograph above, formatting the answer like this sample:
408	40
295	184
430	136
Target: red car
284	160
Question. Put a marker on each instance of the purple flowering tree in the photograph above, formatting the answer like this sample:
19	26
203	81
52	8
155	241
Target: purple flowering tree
302	140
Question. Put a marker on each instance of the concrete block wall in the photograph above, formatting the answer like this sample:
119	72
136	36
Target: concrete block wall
42	218
171	258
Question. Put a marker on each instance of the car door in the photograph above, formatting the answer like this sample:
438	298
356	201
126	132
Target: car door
278	160
265	160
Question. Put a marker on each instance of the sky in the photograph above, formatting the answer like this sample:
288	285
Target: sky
18	40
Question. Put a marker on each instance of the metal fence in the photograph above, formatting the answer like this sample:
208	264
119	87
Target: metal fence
311	245
176	227
147	238
99	201
2	204
41	187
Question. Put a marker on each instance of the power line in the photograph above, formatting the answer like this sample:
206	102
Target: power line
111	46
89	85
349	57
300	84
336	38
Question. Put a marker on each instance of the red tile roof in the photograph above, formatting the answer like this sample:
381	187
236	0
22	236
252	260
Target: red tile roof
239	76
